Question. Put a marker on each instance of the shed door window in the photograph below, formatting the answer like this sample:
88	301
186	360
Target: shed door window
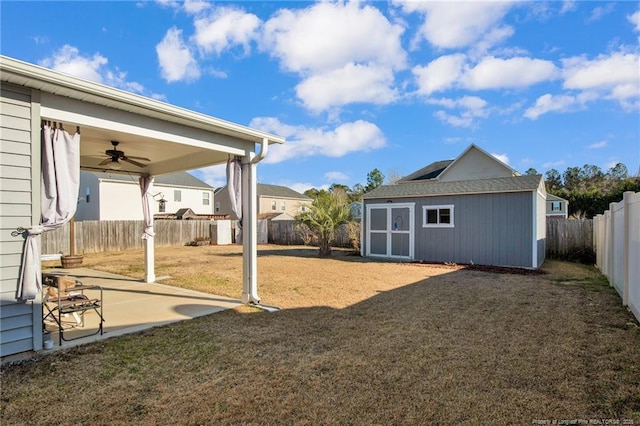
437	216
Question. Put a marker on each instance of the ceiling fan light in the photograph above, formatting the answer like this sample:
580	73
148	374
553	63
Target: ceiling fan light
115	165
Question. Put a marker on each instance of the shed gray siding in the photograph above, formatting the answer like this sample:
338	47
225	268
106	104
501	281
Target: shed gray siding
19	164
489	229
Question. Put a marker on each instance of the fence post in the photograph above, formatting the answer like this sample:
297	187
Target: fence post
626	210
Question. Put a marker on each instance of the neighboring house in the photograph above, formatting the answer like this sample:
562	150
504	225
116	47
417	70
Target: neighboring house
474	209
111	196
557	207
271	199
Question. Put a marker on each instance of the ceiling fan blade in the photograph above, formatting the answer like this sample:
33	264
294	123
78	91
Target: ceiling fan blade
137	158
103	162
135	163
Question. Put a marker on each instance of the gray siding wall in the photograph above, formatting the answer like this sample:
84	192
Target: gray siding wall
19	320
490	229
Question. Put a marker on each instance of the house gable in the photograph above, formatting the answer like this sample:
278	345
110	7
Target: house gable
475	163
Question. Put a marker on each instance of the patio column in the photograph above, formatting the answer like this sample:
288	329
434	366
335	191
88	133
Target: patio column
149	248
249	231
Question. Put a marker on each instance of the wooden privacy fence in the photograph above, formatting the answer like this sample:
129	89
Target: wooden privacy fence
570	239
94	236
617	243
285	232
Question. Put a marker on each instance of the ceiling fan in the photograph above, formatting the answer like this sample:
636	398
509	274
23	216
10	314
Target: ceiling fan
116	155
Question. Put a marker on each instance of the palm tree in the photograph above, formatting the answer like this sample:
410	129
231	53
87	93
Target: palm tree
328	211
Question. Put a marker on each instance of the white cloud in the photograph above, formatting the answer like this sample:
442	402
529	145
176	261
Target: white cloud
306	142
454	71
355	50
471	108
336	176
193	7
225	28
635	20
502	157
464	24
596	75
495	73
598	12
93	68
597	145
68	60
339	33
352	83
300	187
550	103
568	6
175	58
440	74
215	176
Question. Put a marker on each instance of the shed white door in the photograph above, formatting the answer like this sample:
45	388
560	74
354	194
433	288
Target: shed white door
390	230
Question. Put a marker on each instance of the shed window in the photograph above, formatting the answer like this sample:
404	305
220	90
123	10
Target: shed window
555	206
437	216
87	195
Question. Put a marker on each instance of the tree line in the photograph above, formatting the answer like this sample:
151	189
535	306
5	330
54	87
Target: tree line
589	189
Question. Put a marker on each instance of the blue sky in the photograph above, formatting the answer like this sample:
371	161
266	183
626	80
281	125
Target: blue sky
360	85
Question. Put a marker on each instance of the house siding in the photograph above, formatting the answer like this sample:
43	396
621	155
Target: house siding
489	229
20	321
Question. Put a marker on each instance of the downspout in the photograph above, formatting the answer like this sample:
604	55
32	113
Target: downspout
251	290
264	148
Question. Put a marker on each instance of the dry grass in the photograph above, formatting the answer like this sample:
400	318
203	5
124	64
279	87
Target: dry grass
361	342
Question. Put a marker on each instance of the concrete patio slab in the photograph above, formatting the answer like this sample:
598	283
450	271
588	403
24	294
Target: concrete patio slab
130	305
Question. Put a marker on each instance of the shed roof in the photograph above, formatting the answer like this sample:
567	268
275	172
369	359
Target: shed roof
431	188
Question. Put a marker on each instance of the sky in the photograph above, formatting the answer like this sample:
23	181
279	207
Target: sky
358	85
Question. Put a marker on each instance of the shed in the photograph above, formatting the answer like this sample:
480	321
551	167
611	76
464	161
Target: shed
474	209
169	138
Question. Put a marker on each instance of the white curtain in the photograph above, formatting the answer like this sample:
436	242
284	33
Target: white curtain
59	186
234	185
145	182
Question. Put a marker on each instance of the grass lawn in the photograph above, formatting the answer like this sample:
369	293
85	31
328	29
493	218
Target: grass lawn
359	342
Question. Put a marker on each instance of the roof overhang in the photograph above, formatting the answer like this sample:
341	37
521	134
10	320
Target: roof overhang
172	138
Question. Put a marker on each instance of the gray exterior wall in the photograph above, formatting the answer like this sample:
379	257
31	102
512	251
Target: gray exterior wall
20	321
489	229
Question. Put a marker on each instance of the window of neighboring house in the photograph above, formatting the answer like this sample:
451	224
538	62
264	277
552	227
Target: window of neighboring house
283	205
87	194
437	216
216	206
555	206
303	208
274	205
162	206
177	195
205	198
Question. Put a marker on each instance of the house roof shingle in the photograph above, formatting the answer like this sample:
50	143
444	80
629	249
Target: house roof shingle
432	188
429	172
279	191
173	179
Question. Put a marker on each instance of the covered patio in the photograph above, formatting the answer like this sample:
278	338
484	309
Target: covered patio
119	132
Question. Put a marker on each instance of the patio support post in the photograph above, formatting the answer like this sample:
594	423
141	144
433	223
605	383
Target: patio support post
249	231
149	249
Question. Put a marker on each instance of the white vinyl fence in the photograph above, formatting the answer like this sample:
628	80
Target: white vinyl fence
616	238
